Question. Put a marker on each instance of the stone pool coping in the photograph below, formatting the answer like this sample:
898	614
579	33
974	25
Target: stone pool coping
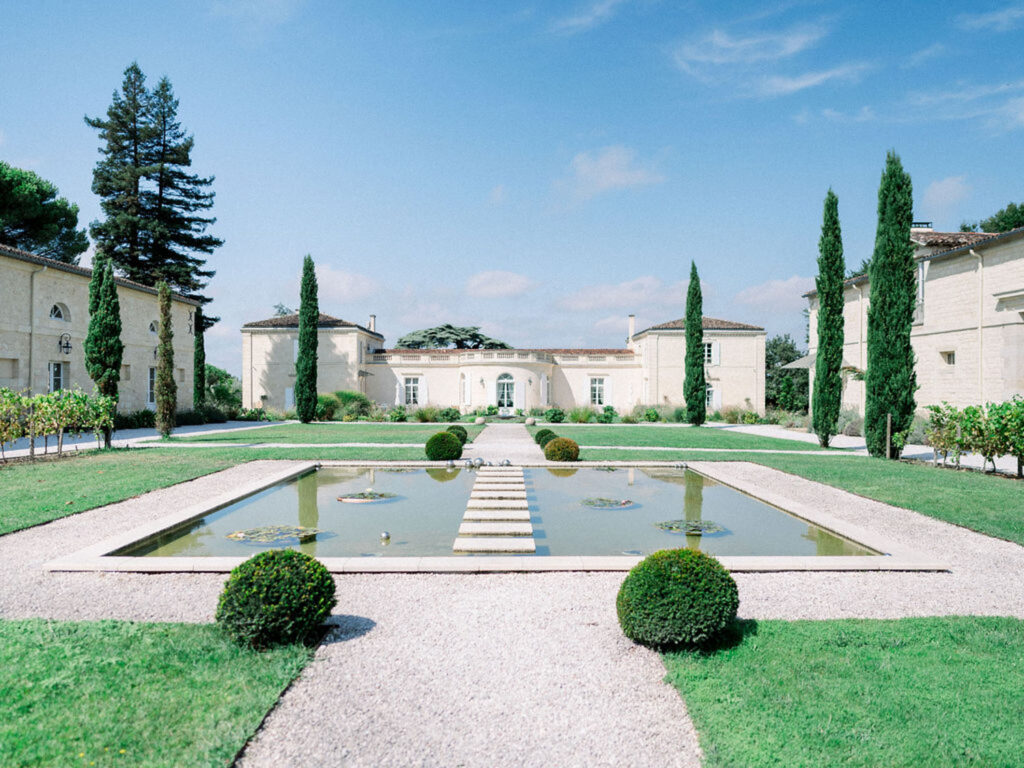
894	557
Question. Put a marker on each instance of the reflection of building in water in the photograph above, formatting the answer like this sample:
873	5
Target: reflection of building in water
693	505
630	476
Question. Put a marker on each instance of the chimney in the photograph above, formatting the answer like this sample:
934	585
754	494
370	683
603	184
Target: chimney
373	323
632	329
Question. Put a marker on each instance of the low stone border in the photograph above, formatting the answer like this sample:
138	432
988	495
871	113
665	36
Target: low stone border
893	557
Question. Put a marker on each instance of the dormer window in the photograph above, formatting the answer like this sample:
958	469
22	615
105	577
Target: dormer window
60	312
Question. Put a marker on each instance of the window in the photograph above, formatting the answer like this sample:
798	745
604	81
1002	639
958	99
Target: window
919	304
289	398
58	376
463	389
506	390
709	352
154	327
709	397
60	312
597	391
151	388
412	390
949	358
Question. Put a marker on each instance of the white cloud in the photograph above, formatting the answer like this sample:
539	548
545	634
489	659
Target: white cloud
496	284
720	48
964	92
781	85
941	197
256	17
607	169
594	14
777	295
644	291
925	54
997	21
864	115
340	286
497	194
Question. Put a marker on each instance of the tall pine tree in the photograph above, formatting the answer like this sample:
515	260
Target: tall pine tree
166	388
694	384
890	380
103	348
34	219
305	365
828	381
199	359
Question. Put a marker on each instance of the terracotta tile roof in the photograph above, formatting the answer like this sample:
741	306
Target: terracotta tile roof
43	261
709	324
450	350
292	321
930	239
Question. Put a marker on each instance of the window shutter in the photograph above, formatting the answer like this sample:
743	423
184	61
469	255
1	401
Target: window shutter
518	394
494	394
716	353
399	392
608	390
716	399
424	396
545	393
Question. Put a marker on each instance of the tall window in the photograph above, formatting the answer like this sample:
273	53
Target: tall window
58	374
709	397
597	391
708	353
151	388
412	390
506	390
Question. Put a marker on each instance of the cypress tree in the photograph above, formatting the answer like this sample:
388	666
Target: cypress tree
103	347
890	380
828	381
199	360
694	384
166	388
305	365
126	134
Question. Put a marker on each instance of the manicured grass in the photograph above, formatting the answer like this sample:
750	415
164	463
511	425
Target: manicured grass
914	692
118	693
330	433
674	436
34	493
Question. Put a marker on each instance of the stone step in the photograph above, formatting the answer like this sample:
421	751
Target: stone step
497	494
497	504
499	471
500	481
499	486
503	544
496	515
496	529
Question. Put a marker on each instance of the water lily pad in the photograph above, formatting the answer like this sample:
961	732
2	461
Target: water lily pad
275	534
691	527
602	503
365	497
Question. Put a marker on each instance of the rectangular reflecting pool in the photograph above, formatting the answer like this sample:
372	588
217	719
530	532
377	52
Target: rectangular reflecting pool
586	511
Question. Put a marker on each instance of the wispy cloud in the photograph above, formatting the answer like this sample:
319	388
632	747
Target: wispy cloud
1003	20
497	194
615	167
864	115
777	295
925	54
256	15
942	197
718	47
338	285
783	85
965	92
497	284
586	18
646	291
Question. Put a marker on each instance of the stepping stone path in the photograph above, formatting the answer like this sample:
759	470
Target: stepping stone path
497	515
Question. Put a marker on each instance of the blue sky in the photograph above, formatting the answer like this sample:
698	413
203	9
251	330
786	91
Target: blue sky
538	169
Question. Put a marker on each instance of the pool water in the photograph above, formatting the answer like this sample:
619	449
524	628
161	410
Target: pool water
427	506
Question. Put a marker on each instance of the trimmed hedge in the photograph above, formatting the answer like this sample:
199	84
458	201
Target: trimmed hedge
460	432
555	415
677	597
444	446
277	597
543	442
561	449
541	434
450	414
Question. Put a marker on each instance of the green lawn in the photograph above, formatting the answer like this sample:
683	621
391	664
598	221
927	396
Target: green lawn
34	493
118	693
330	433
931	692
676	436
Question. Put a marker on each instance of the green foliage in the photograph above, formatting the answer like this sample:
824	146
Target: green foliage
43	415
198	359
103	347
541	434
355	405
444	336
1003	220
561	449
554	415
460	432
277	597
679	415
398	414
326	406
677	597
306	363
450	414
223	390
426	414
778	351
694	383
444	446
581	414
544	439
828	381
607	415
166	388
34	219
652	415
890	381
141	419
996	429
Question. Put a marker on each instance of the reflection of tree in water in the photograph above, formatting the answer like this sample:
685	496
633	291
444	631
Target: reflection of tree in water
826	543
442	475
693	505
309	513
563	472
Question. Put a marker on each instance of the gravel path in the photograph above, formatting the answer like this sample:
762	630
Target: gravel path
504	441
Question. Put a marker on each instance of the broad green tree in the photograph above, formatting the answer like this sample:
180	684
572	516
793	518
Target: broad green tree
890	380
1003	220
694	384
828	380
444	336
199	359
33	218
305	365
103	348
780	350
166	388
